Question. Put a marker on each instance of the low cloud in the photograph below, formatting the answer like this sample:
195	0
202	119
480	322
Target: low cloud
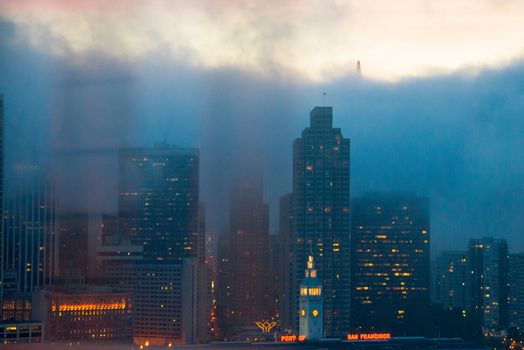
315	40
456	138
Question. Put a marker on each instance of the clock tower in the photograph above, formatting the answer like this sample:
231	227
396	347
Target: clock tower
310	305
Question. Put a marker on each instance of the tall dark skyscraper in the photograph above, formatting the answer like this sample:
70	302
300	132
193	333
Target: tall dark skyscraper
489	282
321	216
158	225
28	242
274	274
1	201
29	230
516	290
390	266
244	279
452	280
286	312
158	200
72	247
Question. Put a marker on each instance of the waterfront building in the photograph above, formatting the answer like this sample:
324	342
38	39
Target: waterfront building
91	315
311	304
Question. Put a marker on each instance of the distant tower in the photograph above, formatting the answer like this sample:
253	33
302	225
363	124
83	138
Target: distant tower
311	305
359	70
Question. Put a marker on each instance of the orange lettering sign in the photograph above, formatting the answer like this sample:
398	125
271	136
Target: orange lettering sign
368	336
288	338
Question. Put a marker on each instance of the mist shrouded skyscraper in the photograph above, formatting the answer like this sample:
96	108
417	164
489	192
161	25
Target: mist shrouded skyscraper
244	280
489	290
390	266
321	217
285	273
159	223
516	290
451	280
1	201
158	200
72	247
28	234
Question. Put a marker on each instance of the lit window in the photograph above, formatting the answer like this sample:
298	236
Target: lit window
314	291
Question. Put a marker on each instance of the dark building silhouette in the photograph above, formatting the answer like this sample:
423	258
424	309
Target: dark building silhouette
489	289
72	247
29	235
158	200
245	263
516	290
110	232
452	280
285	273
212	268
390	271
321	217
1	201
201	241
28	243
274	275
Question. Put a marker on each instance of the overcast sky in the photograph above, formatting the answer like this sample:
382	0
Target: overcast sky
439	109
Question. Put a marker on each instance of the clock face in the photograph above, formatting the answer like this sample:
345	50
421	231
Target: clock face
314	312
303	313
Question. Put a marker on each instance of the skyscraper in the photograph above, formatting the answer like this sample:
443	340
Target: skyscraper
286	312
72	246
274	274
321	217
451	280
1	201
28	242
516	290
158	200
489	290
246	274
159	214
29	234
390	266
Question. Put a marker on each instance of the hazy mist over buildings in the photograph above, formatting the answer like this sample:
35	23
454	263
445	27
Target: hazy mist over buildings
455	137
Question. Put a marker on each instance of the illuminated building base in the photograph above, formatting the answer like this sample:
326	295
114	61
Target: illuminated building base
311	305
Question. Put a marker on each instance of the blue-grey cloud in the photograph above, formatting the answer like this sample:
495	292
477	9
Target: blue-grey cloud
454	138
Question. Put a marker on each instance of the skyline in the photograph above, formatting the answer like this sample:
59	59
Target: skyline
262	174
173	294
